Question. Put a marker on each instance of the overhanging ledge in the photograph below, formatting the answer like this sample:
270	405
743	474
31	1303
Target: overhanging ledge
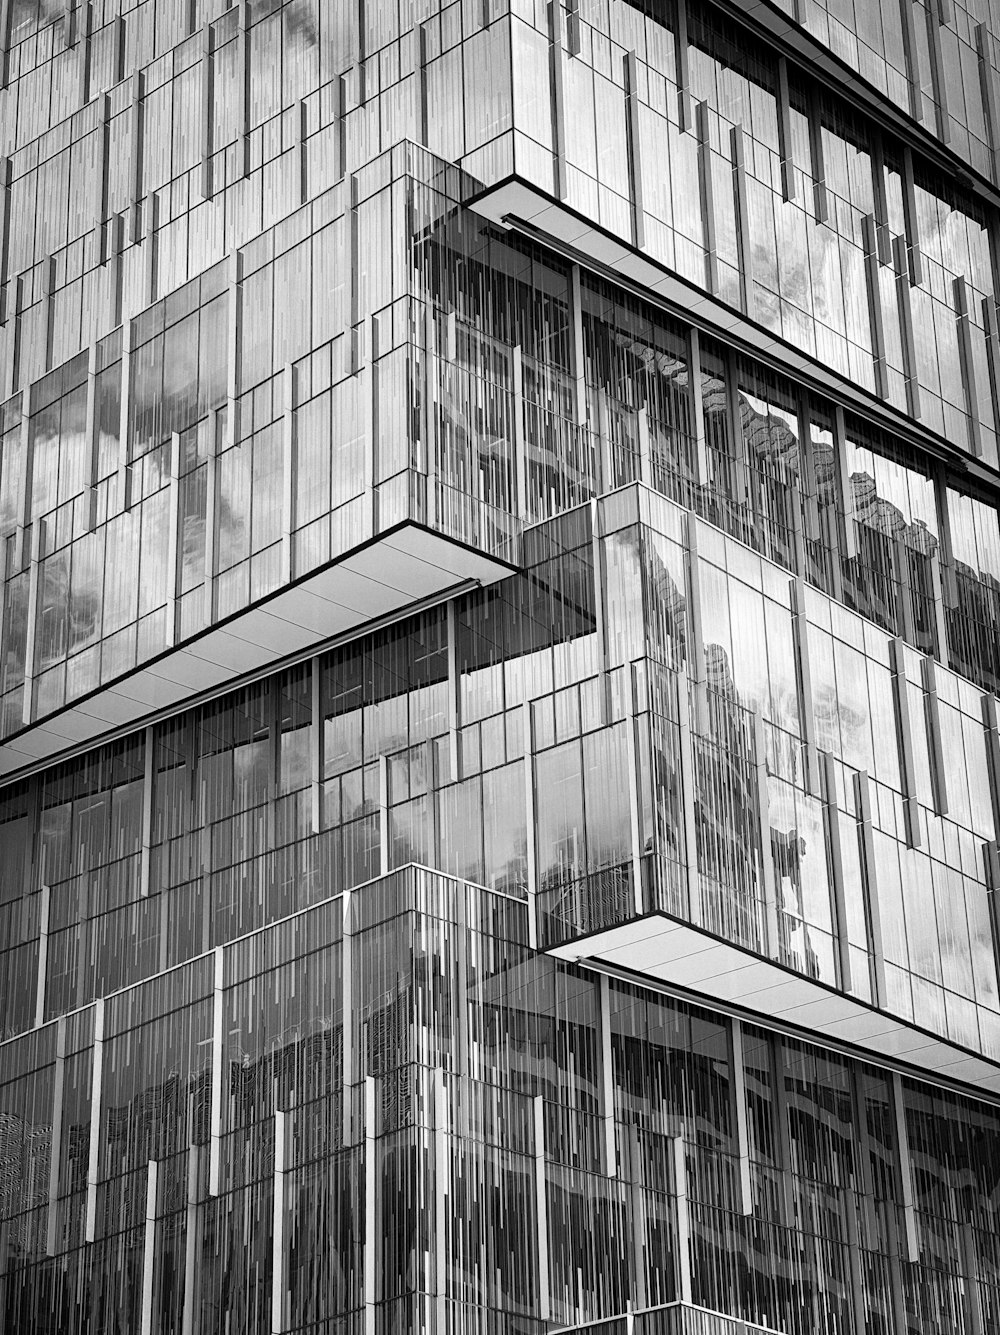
514	202
677	954
401	567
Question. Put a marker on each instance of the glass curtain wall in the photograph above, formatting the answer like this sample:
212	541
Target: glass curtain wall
484	1139
650	718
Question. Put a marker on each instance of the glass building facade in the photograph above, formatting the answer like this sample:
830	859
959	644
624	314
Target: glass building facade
499	667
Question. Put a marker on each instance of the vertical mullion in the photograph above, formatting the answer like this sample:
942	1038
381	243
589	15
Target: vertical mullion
635	163
744	246
696	655
782	1133
23	518
173	537
706	190
932	710
43	955
741	459
243	89
370	1279
874	291
5	35
422	108
642	433
102	175
289	477
911	805
911	64
682	72
5	180
347	1013
946	558
529	801
385	847
523	508
541	1207
87	53
785	133
968	364
191	1241
817	160
211	507
975	1321
34	602
688	777
48	300
218	1022
279	1278
301	151
901	570
135	174
992	732
738	1088
772	943
904	1167
442	1175
873	914
316	743
903	285
938	84
150	246
988	85
125	419
16	368
557	93
234	343
146	836
880	200
207	112
800	635
914	258
607	1076
696	389
683	1218
94	1151
149	1249
454	690
990	326
55	1144
354	234
632	760
846	487
831	813
637	1203
807	455
579	352
341	92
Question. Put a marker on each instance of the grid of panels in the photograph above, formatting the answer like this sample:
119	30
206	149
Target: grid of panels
483	1138
648	719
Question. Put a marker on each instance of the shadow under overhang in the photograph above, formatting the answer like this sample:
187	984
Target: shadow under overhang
685	957
516	203
403	567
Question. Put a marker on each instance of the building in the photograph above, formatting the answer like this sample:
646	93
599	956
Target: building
499	657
